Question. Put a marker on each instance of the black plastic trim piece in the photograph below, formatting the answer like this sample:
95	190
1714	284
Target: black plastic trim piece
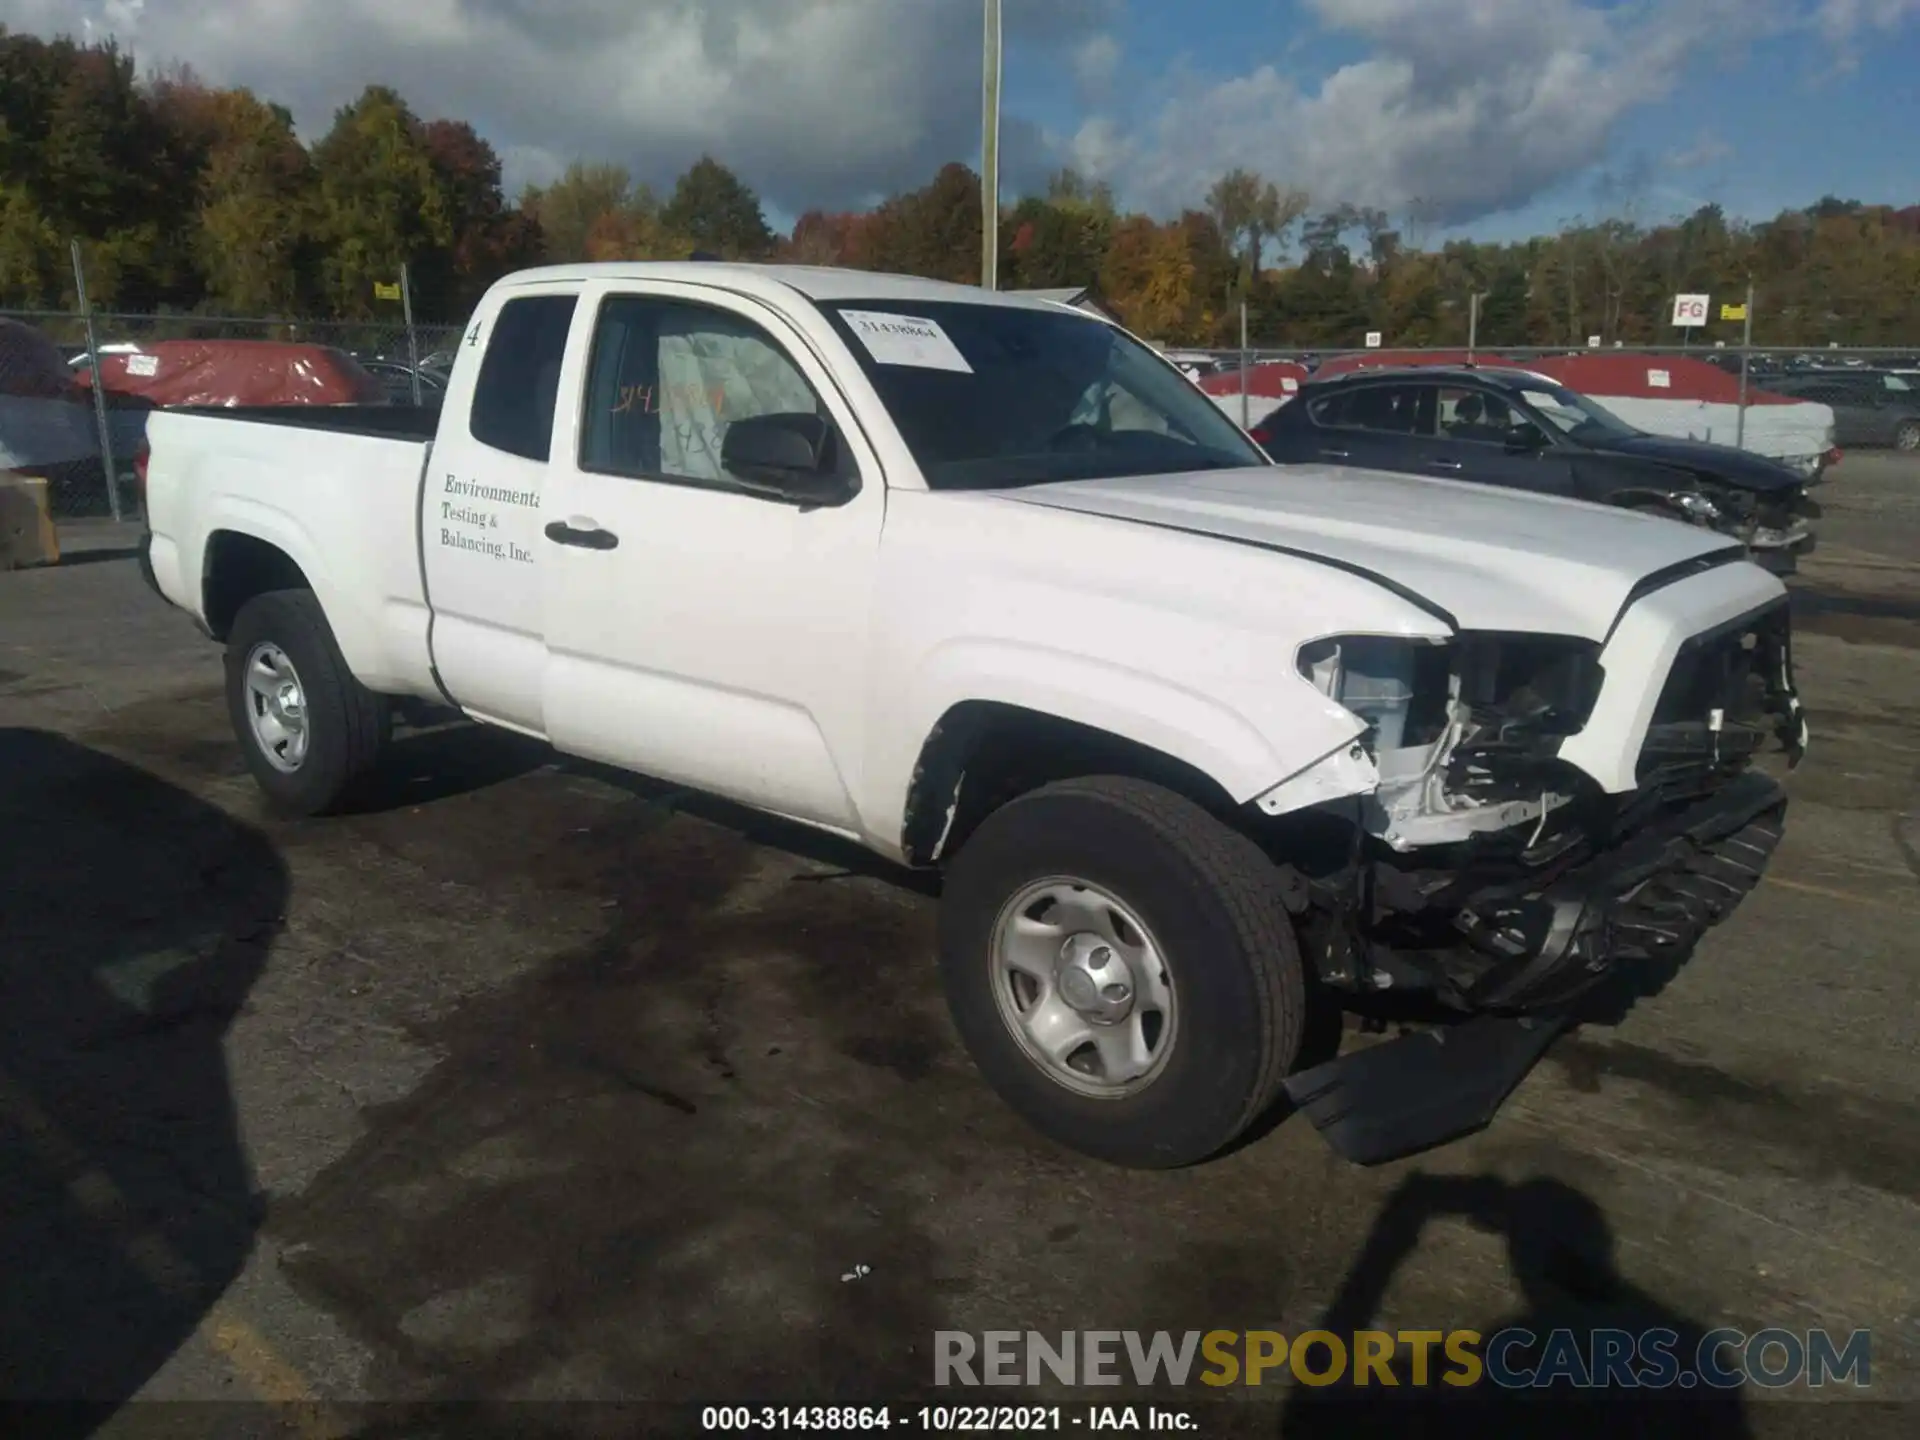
1673	575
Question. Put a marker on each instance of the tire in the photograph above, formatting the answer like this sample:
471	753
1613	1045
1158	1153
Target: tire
1210	906
345	725
1907	437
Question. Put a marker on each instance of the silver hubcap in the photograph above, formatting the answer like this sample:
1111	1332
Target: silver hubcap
1908	437
276	707
1081	985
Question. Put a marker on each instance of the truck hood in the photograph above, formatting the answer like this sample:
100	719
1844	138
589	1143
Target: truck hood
1740	468
1484	558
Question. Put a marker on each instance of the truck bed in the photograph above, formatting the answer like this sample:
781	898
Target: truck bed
387	422
336	488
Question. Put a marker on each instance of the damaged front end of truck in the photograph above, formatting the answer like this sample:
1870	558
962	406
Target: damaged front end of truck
1456	854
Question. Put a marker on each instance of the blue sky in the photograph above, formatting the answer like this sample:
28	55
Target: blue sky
1494	118
1757	105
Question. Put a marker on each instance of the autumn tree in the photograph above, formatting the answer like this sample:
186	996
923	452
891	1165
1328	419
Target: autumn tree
1211	317
1148	276
1060	238
933	231
713	208
489	238
820	238
569	210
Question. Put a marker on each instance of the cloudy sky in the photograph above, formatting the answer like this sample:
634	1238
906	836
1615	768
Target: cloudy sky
1493	117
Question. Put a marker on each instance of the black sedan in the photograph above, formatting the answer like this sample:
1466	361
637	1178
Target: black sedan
1510	427
1870	407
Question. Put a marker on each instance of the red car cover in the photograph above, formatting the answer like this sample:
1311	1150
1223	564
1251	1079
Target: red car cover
240	372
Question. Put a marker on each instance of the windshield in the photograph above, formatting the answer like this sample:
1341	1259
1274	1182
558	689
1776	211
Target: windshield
1574	414
992	396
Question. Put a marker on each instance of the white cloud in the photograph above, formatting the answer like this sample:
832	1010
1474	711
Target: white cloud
1843	20
1705	150
1846	23
1454	117
1096	60
812	101
1454	111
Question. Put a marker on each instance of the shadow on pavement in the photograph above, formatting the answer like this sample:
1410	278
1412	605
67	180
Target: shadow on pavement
134	919
1560	1251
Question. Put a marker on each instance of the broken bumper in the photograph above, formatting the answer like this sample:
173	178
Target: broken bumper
1639	906
1779	551
1648	899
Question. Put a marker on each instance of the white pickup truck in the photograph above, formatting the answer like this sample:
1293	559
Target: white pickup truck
984	584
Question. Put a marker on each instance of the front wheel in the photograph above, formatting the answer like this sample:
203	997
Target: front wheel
1907	437
1121	967
307	727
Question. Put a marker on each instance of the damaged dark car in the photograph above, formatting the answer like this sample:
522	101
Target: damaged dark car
1525	431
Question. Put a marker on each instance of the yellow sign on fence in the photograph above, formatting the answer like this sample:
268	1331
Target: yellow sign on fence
385	292
1733	312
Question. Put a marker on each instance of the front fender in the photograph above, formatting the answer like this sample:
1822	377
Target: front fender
1245	748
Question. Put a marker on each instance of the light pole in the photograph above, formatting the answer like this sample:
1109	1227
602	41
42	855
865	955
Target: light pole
1473	322
990	151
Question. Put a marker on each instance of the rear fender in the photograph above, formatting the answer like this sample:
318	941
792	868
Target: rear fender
354	627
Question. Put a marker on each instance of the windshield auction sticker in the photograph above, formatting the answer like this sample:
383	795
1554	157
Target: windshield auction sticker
906	340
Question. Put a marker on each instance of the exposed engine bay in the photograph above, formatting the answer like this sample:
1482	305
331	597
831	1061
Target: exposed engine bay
1484	868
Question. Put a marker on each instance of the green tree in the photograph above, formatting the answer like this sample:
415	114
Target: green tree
713	208
85	144
32	264
381	202
1251	212
253	237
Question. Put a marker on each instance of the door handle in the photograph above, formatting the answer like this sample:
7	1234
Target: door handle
1334	454
1444	464
587	536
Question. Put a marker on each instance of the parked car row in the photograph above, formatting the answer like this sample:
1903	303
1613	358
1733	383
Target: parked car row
1870	407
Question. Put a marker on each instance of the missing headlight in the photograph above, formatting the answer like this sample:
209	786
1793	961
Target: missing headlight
1500	688
1544	685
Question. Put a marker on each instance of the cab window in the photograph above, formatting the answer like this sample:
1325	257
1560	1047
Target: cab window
668	379
1483	417
519	383
1390	409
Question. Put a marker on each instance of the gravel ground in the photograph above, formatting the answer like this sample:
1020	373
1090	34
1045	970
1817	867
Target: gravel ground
534	1084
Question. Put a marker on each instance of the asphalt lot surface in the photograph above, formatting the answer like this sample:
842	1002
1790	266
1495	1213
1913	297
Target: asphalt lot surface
537	1085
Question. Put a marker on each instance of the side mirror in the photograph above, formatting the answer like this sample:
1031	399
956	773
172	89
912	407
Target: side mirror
787	456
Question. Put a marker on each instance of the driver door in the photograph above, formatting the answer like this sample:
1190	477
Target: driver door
697	632
1482	435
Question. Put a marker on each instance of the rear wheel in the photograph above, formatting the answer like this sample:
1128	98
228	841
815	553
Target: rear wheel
307	727
1122	970
1907	437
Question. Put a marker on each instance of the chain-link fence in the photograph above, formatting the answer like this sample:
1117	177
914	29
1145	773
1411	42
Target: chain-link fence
56	424
52	425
